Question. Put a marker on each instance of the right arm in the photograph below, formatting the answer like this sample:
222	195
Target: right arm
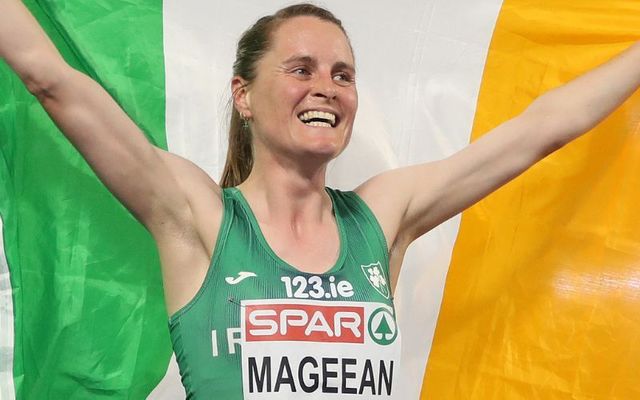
143	177
111	143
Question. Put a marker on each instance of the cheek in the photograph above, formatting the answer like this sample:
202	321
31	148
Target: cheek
279	103
352	101
292	95
355	101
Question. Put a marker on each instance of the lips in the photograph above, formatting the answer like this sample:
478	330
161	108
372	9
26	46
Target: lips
319	118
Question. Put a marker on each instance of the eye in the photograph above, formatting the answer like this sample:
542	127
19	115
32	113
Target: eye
301	71
343	77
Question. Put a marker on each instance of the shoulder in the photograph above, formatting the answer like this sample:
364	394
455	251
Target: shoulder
391	194
381	195
188	172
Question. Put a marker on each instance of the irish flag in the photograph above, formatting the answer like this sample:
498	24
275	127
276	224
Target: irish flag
533	293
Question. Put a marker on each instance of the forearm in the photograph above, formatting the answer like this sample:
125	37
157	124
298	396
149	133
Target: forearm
578	106
26	47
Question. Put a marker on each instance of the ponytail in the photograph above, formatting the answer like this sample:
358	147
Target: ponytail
240	153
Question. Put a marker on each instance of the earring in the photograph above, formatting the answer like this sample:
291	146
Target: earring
245	121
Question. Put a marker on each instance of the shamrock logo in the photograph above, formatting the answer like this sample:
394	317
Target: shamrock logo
376	276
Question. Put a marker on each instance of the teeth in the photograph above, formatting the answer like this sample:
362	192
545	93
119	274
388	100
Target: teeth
309	115
318	123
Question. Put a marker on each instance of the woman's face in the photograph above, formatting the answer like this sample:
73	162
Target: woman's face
304	99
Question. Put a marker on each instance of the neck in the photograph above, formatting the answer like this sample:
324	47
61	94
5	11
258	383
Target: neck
285	191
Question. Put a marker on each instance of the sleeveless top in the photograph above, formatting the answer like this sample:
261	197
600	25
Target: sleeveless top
259	328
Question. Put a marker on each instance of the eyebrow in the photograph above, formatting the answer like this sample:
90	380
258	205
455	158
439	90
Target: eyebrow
312	61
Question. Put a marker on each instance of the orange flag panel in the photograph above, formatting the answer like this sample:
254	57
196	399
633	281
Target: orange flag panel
542	299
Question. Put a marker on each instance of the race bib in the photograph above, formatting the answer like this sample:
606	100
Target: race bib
308	349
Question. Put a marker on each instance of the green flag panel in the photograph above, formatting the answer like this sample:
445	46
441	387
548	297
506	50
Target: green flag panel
89	315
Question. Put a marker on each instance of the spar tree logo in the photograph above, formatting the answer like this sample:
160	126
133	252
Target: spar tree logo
382	327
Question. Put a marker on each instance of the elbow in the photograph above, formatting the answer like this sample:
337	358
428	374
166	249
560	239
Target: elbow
555	124
42	78
552	144
35	85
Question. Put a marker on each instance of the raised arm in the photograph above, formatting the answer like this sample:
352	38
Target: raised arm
133	170
183	214
426	195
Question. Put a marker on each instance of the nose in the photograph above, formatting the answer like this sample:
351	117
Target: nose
325	87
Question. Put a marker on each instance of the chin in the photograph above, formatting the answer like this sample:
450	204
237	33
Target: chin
322	153
321	143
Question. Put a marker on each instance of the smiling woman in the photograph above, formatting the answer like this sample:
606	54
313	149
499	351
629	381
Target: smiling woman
278	287
312	299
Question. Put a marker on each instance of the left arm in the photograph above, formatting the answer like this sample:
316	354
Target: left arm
428	194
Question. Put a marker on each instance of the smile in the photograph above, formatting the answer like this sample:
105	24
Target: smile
318	119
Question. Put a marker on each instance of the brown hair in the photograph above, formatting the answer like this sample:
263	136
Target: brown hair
253	44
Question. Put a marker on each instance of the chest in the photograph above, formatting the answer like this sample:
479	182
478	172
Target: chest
314	250
273	332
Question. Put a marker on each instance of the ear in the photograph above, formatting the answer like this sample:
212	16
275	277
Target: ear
241	98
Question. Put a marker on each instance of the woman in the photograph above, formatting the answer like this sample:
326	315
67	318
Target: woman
315	315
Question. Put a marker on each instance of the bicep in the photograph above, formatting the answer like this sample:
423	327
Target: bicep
471	174
112	144
420	197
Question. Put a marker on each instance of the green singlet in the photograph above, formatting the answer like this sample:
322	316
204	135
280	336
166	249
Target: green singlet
259	328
